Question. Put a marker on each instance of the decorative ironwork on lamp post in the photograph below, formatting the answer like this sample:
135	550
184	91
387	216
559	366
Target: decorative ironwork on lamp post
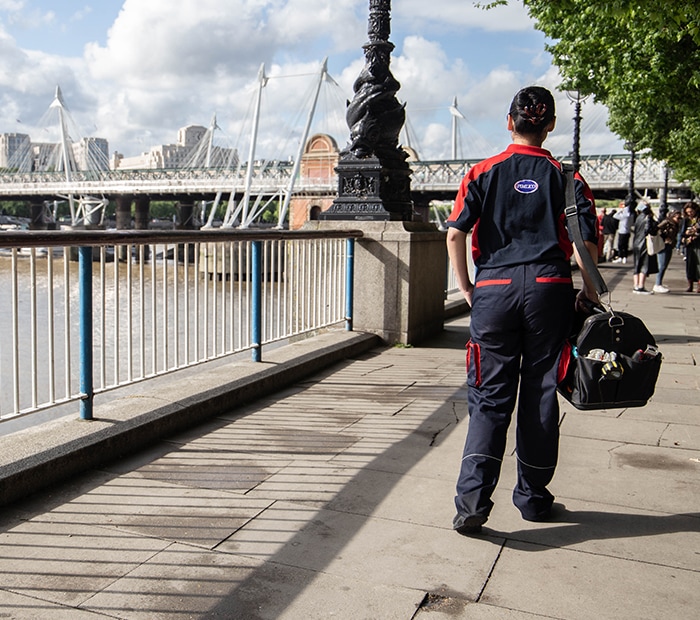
630	201
373	175
663	202
577	99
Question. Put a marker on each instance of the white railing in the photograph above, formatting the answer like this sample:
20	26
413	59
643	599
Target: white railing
600	171
85	312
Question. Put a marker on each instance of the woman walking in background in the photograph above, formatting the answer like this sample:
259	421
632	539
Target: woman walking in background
625	216
644	264
609	229
690	239
668	229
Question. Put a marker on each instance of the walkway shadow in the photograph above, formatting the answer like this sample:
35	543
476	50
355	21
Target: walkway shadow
575	527
244	587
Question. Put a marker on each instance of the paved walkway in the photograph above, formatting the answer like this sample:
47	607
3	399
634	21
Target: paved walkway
333	499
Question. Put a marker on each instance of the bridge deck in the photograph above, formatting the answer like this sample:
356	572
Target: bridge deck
602	172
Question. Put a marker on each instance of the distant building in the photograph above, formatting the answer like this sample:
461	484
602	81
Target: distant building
18	152
191	150
91	154
14	148
163	156
317	168
191	135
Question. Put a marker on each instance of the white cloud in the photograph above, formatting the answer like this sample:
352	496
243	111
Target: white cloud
11	5
428	77
343	22
595	138
81	14
168	63
464	14
17	15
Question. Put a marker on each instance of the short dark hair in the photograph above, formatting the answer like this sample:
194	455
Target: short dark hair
532	109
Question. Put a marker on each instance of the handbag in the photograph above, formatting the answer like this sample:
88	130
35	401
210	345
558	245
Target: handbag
655	244
613	360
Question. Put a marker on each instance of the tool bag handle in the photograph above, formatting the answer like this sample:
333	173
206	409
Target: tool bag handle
571	212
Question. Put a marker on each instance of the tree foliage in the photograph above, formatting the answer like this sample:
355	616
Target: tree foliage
639	58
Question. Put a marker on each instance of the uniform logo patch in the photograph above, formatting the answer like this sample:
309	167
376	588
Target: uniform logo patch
526	186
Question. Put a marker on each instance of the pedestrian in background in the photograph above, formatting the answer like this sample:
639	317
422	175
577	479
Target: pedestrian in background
610	225
522	304
690	239
644	263
625	217
668	229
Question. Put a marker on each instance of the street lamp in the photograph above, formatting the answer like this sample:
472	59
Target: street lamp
663	204
577	100
373	175
630	201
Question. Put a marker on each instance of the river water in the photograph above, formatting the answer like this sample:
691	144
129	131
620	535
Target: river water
194	319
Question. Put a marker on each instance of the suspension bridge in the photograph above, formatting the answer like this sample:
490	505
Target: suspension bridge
212	174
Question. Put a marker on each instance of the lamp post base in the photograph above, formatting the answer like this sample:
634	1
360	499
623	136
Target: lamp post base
367	190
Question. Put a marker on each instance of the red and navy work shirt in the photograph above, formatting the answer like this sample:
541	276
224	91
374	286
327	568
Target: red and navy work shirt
514	205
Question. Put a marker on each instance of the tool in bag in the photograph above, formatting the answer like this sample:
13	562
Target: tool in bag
613	360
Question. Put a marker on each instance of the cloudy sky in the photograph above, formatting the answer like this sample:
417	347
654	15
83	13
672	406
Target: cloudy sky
135	71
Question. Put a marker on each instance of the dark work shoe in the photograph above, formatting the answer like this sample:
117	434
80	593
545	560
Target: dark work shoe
468	525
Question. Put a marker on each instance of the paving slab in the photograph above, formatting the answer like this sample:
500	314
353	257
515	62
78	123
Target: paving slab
19	607
635	534
309	482
666	412
685	436
561	583
152	508
182	582
333	498
382	551
593	425
65	562
448	606
385	495
209	469
647	477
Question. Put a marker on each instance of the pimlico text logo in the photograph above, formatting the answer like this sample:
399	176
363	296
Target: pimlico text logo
526	186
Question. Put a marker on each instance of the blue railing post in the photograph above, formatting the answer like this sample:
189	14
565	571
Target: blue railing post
256	300
85	321
349	282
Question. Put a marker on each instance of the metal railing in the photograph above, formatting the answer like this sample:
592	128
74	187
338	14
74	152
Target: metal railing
89	311
605	171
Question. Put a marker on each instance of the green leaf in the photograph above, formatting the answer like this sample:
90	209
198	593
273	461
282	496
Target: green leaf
639	58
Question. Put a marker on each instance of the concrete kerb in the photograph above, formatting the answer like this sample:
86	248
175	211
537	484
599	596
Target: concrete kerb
52	452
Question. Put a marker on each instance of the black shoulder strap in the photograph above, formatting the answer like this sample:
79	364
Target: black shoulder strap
575	228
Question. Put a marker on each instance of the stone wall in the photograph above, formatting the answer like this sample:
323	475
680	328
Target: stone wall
400	274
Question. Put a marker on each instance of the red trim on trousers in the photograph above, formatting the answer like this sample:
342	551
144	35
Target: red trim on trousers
493	282
554	280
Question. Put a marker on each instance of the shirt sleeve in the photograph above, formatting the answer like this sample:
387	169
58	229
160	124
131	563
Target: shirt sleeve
585	203
466	210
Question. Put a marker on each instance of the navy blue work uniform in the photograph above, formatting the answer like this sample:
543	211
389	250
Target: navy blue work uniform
522	308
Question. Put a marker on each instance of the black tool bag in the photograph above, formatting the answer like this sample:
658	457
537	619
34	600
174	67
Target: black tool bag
613	361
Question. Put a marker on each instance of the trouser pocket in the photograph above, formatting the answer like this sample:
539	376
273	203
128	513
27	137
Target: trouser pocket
473	364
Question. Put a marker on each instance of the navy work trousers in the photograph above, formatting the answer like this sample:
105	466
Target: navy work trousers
520	319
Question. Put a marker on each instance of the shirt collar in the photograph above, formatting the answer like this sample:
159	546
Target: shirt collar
525	149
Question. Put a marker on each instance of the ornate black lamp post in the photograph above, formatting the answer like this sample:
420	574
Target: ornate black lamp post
373	176
663	204
577	99
630	201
